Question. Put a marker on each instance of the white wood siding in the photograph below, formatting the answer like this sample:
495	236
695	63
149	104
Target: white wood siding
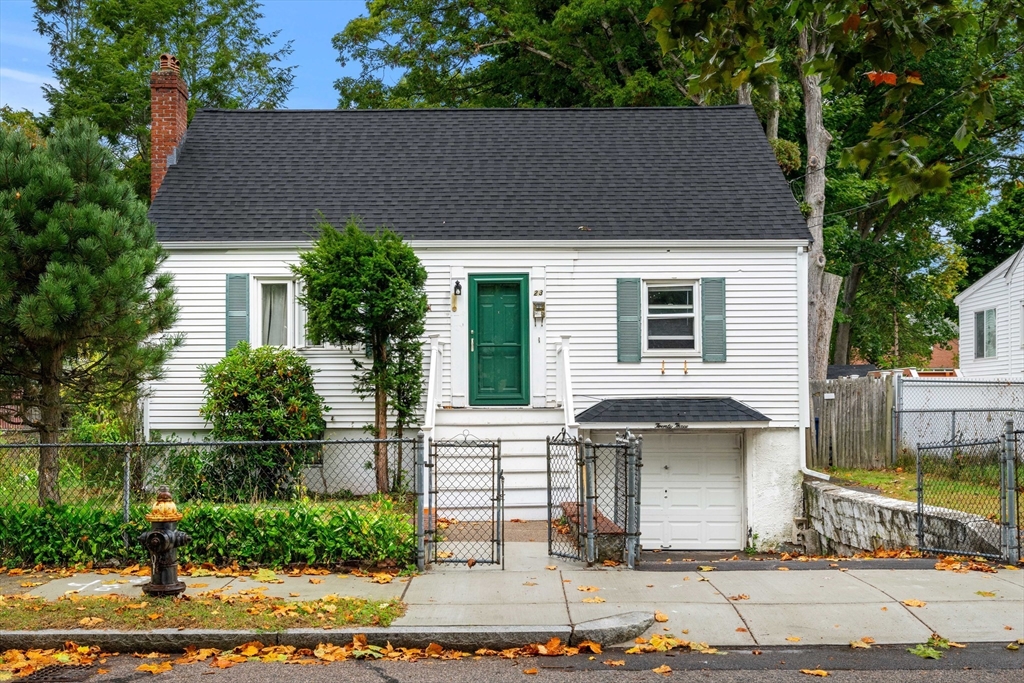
1006	295
579	288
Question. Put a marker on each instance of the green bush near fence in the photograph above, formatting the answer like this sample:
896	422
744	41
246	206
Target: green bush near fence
274	536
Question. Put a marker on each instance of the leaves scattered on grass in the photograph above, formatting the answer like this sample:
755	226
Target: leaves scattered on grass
217	609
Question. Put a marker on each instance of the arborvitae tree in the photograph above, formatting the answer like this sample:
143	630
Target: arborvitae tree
83	309
367	290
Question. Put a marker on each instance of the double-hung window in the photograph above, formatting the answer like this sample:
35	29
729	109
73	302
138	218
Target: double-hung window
985	334
670	320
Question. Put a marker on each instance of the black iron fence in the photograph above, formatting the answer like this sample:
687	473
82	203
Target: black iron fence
969	494
106	475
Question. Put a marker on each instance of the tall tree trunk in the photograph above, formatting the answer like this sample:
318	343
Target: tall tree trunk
380	425
49	433
772	130
822	287
841	352
743	94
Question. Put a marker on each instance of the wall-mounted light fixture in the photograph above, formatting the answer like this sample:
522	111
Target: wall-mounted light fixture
456	291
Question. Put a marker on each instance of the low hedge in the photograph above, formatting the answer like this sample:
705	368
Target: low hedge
272	535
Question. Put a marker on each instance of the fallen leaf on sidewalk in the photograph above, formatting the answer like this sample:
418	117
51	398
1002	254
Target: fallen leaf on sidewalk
610	563
315	581
198	585
914	603
1011	567
615	662
444	554
783	569
741	596
985	594
529	583
595	599
793	639
155	668
590	645
860	645
266	576
293	595
383	578
1007	628
814	672
740	629
705	568
588	589
551	567
660	617
663	669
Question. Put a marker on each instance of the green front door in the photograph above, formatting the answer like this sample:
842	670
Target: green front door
499	358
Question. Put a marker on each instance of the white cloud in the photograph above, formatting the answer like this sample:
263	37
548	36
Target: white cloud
26	77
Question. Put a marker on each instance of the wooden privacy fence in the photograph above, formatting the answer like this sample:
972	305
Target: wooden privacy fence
851	422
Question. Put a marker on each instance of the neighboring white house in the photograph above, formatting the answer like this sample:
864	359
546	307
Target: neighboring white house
992	322
649	265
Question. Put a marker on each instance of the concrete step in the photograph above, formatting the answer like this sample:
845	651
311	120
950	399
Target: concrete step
487	417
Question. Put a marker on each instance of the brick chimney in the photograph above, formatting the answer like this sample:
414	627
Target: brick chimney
169	105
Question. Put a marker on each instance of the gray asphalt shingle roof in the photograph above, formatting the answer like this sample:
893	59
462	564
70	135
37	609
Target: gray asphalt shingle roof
645	173
668	410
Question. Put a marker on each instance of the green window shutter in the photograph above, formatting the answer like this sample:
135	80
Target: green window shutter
628	308
712	319
236	325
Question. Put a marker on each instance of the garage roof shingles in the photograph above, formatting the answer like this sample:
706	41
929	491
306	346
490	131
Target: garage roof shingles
461	174
668	410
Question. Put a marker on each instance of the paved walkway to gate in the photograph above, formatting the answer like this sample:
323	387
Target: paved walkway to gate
722	608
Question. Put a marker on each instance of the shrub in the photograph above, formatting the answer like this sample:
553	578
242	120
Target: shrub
265	535
260	394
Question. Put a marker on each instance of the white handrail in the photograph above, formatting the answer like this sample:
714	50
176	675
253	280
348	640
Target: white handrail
565	385
433	378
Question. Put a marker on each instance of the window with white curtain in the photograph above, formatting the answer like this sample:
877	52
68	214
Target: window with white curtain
274	313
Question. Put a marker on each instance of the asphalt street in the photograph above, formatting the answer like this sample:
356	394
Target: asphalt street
977	662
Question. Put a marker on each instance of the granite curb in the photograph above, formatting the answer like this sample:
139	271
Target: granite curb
607	631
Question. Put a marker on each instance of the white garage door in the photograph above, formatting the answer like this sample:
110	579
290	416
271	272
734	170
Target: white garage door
692	492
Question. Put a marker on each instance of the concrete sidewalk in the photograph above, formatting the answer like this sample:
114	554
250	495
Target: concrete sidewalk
735	608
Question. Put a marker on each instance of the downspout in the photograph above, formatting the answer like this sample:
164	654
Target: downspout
804	391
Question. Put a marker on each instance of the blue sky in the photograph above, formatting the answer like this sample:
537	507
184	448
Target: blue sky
311	24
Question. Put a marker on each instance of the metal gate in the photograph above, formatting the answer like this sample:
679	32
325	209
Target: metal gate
969	496
465	502
594	499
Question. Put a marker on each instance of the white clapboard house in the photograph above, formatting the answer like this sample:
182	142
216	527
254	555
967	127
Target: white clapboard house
992	323
591	269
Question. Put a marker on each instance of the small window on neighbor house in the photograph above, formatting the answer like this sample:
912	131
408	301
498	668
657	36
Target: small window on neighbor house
670	321
985	334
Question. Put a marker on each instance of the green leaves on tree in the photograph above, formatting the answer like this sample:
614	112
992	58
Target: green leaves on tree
367	290
103	52
84	308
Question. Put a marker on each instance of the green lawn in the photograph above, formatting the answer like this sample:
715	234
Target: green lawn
941	491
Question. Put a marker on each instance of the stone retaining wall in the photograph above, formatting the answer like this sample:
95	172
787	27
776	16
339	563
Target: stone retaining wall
843	521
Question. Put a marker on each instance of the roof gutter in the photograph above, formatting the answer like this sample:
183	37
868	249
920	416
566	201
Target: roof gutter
803	363
579	245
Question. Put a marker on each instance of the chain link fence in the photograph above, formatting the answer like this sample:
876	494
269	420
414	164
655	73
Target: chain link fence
951	410
594	499
967	495
114	476
465	501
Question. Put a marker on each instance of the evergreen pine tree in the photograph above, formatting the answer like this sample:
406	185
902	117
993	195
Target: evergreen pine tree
83	309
